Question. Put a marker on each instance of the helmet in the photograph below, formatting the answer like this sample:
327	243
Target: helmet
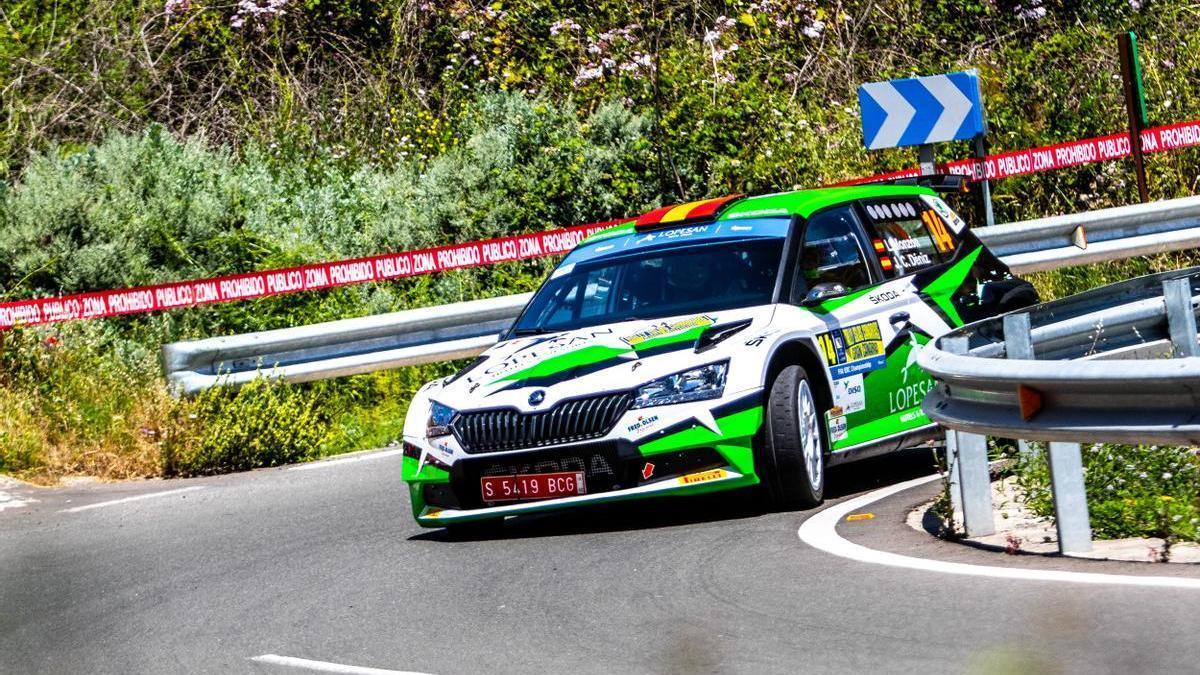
689	273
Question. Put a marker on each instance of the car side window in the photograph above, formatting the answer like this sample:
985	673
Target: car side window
832	253
908	236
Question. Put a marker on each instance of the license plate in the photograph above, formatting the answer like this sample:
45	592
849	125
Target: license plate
532	486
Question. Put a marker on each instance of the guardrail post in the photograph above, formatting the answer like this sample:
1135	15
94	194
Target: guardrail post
1070	498
956	503
1018	344
972	467
1181	317
1018	340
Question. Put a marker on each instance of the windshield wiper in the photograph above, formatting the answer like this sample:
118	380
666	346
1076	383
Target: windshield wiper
521	332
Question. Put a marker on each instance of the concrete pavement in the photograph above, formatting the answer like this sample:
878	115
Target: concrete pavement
326	564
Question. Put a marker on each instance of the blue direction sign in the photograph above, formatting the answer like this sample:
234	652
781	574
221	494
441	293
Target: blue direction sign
920	110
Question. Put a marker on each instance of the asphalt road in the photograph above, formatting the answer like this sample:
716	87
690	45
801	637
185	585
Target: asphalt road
326	564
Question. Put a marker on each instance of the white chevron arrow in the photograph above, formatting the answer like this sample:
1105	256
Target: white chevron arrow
899	113
957	107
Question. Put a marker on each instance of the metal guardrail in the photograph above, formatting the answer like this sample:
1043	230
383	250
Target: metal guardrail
462	330
342	348
1119	364
1096	236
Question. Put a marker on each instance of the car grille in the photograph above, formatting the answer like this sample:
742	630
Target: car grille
571	421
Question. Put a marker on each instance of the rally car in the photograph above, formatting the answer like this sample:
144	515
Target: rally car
714	345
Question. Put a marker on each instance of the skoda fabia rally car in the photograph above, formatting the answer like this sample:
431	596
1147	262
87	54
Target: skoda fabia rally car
709	346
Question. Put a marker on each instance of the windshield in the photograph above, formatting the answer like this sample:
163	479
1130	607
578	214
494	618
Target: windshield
647	277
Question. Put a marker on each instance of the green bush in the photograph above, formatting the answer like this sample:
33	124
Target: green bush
263	423
78	400
147	208
1132	491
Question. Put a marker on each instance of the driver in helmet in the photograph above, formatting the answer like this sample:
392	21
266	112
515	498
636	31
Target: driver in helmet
696	277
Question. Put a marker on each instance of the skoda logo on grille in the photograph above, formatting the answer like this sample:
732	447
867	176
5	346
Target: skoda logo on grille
537	397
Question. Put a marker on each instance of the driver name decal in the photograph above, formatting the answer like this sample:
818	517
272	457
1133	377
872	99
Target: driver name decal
853	350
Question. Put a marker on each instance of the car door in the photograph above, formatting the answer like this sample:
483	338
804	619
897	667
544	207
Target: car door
871	327
924	270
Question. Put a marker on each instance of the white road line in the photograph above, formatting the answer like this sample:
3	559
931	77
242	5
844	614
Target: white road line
135	498
11	501
326	463
820	531
327	667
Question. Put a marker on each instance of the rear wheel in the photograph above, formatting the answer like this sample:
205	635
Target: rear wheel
794	446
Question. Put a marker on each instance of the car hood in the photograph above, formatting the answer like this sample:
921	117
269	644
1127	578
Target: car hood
536	372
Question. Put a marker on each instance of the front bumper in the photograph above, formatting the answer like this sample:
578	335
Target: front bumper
688	458
697	483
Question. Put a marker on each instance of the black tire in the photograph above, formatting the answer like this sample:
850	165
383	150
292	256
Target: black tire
793	478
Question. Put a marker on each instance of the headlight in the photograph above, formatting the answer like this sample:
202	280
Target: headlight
439	420
697	384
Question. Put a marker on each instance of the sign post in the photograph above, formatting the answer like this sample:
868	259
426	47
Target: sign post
1135	106
922	111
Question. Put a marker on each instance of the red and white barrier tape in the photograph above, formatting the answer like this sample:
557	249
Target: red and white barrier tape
293	279
317	276
1062	155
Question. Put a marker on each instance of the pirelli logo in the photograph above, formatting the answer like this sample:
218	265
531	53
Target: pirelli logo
703	477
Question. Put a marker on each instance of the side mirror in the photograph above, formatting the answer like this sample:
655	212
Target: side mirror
822	292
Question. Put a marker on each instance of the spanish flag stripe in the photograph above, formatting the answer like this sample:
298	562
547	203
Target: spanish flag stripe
704	208
654	216
680	212
710	207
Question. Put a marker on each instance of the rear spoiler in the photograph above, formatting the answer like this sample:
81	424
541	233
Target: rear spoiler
938	182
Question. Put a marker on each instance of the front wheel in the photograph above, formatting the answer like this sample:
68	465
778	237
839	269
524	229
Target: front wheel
794	446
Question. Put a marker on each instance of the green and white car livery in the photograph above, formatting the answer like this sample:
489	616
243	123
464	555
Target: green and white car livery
709	346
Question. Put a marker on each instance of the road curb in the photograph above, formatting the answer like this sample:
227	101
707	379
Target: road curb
821	531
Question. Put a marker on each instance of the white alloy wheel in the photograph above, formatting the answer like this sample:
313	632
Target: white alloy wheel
810	436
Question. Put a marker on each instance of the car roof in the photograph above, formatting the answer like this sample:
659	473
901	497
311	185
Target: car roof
803	203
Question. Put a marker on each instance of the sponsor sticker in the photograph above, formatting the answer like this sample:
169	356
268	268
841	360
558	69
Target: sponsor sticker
849	395
642	424
837	428
703	476
664	328
884	296
759	213
757	340
939	207
853	350
909	395
678	233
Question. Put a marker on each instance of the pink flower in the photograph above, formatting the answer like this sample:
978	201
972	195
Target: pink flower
173	7
564	25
